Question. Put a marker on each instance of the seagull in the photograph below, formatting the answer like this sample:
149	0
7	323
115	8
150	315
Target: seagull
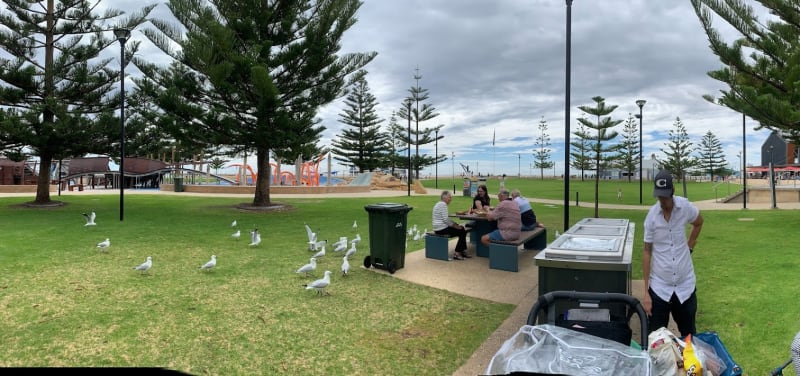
320	254
340	246
316	245
320	284
312	237
345	266
351	251
104	244
355	225
236	235
145	266
356	240
416	236
410	231
211	264
90	218
233	224
342	242
308	268
255	238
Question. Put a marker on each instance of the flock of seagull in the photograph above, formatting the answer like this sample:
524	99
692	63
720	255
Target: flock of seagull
314	245
318	246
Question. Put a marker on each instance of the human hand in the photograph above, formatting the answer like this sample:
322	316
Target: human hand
647	304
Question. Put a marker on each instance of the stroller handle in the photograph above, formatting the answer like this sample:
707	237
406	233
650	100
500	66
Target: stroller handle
547	300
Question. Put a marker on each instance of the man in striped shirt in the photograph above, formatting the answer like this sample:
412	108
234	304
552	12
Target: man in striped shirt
443	225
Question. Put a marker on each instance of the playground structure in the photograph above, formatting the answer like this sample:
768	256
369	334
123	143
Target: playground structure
309	173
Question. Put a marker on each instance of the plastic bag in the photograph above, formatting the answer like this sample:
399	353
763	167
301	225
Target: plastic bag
708	356
666	359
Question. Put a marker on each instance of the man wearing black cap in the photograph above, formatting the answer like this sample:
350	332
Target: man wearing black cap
669	279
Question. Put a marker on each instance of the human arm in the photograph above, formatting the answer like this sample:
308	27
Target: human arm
697	225
647	303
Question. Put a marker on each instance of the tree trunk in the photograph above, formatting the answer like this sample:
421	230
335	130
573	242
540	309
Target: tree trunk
43	180
261	197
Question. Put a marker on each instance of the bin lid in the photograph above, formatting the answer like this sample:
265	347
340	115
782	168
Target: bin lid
387	207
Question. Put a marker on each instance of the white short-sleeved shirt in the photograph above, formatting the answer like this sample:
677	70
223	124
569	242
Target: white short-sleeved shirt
671	267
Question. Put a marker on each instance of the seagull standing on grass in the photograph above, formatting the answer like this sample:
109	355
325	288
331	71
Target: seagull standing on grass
355	225
351	251
255	238
145	266
341	245
320	284
356	240
312	237
345	266
90	218
211	264
318	245
308	268
233	224
103	246
320	254
236	235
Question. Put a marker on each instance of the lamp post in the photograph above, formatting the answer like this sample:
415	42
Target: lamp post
453	162
408	113
744	163
739	158
772	175
122	36
437	159
568	79
640	103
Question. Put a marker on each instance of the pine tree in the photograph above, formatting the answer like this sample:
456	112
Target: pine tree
759	67
541	154
712	157
256	73
362	145
604	133
627	159
410	109
58	95
678	152
579	150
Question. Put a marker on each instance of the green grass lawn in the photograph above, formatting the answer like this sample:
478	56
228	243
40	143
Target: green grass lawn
64	303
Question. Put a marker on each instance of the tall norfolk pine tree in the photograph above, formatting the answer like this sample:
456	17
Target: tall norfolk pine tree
761	66
627	158
579	151
262	68
361	144
712	157
57	93
678	152
541	155
418	115
604	132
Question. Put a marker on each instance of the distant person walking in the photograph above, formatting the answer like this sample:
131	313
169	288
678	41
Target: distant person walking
619	194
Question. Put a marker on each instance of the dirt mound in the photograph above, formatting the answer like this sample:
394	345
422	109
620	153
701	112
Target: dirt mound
381	181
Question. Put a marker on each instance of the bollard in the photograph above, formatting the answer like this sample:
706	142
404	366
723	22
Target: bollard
577	194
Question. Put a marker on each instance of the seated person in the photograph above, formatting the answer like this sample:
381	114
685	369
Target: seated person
509	222
481	201
526	213
443	225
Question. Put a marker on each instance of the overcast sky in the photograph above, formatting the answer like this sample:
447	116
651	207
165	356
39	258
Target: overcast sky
498	67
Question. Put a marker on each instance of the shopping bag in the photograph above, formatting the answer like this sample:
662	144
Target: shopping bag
712	338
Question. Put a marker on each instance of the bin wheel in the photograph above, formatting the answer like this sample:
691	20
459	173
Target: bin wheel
392	267
367	262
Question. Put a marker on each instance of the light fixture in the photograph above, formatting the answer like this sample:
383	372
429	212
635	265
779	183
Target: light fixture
640	103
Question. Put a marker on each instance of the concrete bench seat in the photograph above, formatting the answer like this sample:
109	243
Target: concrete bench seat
504	255
437	246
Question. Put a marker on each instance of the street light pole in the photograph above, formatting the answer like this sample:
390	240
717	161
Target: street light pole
568	84
437	158
772	176
122	36
744	163
408	113
519	165
640	103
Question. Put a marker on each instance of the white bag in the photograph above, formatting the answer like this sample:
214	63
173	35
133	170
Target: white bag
666	353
